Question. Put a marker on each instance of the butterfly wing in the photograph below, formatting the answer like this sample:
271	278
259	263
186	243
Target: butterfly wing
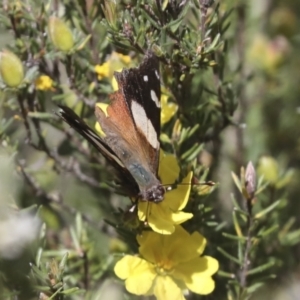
134	112
125	178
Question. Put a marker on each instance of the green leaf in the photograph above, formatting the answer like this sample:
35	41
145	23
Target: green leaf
234	237
193	130
75	239
79	227
267	210
237	226
56	293
39	256
42	276
214	43
42	288
226	274
193	152
5	124
291	238
262	268
41	115
268	231
72	291
63	262
229	256
236	181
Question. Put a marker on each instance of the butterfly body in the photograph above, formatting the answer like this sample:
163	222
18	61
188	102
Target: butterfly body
131	127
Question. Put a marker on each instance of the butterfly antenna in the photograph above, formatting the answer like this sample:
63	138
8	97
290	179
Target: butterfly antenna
172	186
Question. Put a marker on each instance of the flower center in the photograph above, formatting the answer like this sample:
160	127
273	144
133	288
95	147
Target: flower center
164	268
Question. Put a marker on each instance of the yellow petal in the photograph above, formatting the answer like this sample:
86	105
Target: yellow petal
130	265
140	284
168	109
168	168
103	70
103	107
158	216
161	225
184	189
180	217
163	216
180	246
200	281
147	240
178	198
166	289
99	130
199	241
161	249
193	244
196	274
175	248
201	285
139	274
43	83
204	266
126	59
114	82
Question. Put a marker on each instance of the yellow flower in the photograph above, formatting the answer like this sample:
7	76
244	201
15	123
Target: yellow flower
43	83
116	61
169	264
162	217
102	70
168	109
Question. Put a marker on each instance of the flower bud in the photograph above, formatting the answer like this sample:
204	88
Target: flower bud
250	180
11	69
60	34
268	168
157	50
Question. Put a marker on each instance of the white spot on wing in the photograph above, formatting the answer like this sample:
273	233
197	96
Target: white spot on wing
145	78
154	98
156	73
144	124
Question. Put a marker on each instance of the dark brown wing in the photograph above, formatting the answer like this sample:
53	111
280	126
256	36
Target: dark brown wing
125	178
134	112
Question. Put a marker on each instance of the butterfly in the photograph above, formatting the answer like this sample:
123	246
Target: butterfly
131	130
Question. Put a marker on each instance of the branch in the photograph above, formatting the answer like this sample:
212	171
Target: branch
48	198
